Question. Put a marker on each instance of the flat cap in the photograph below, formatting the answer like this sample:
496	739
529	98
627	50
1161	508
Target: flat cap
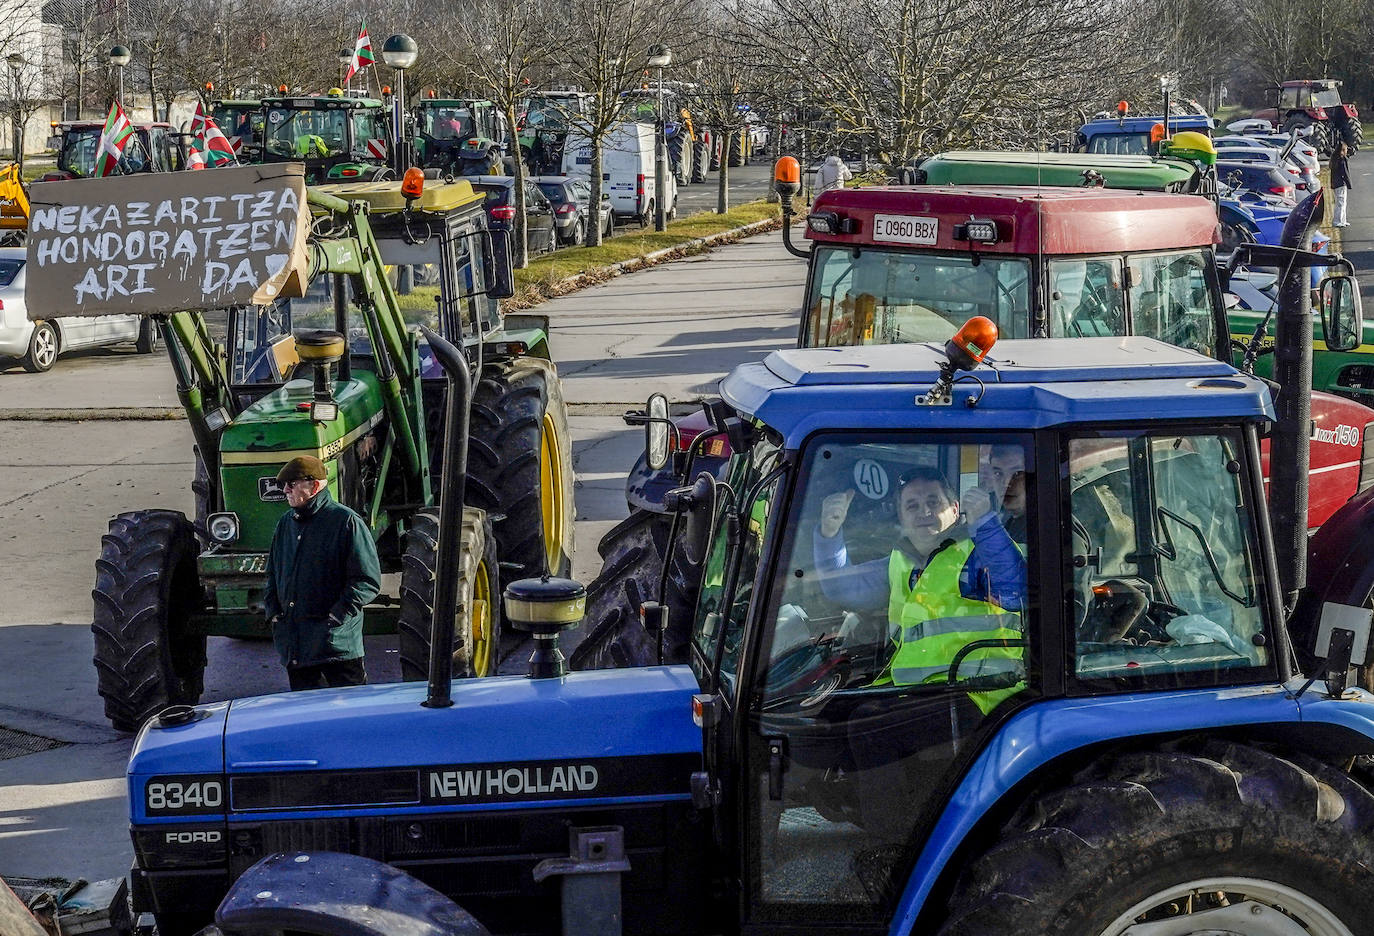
303	468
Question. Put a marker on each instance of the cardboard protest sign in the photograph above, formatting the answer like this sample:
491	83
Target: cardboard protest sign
165	242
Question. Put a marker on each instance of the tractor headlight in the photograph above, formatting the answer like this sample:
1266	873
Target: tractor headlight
224	527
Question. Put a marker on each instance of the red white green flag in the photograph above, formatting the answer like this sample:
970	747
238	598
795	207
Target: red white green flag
210	148
113	138
362	54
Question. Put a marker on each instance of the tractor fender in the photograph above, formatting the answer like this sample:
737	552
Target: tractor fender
1340	568
1048	737
645	488
323	892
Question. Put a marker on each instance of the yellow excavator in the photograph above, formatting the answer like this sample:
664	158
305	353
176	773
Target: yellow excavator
14	206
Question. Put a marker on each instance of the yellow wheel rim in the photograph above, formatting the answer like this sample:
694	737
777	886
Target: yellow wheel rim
551	492
480	614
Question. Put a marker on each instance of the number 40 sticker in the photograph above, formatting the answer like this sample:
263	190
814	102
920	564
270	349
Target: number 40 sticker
870	477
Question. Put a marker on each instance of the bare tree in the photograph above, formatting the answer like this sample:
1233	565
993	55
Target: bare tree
501	45
725	72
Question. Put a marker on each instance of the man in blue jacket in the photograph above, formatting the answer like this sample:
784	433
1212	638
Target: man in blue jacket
322	570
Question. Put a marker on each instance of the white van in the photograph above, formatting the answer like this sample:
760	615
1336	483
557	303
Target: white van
627	169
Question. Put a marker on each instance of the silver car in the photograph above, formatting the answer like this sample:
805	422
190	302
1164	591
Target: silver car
37	344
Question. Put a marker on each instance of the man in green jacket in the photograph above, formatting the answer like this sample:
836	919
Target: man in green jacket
321	570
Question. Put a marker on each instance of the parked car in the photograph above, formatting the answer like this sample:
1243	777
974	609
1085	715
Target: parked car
1266	178
540	233
1288	158
38	344
570	197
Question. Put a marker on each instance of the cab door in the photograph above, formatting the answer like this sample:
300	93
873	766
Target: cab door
842	773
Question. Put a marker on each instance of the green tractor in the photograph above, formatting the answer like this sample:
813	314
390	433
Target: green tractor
240	120
343	374
461	137
338	138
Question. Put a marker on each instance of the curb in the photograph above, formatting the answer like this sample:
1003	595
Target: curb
685	249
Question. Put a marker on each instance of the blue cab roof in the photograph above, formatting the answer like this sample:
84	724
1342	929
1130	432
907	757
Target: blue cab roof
1143	124
1026	384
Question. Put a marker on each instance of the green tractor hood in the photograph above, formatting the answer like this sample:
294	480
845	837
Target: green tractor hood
276	429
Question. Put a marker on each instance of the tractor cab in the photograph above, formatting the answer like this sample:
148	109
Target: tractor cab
1137	136
155	147
461	136
545	119
338	138
241	121
1313	107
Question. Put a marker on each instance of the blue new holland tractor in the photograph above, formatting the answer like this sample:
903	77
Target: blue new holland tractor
988	640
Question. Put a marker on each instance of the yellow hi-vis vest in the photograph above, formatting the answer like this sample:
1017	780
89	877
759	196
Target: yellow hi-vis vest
934	622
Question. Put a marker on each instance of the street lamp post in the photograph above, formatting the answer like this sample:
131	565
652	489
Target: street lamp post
118	57
400	52
345	59
17	61
660	57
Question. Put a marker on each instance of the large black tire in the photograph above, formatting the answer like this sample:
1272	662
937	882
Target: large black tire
147	337
1130	832
478	582
519	437
701	160
1319	137
44	346
680	157
632	554
739	149
146	588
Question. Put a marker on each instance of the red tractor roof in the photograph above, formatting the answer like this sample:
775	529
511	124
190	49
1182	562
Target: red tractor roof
1029	220
1313	83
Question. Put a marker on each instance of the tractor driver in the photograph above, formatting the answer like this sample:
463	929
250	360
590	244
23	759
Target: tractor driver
945	584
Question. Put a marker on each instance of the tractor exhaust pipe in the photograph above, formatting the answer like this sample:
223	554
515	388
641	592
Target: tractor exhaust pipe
1288	453
452	490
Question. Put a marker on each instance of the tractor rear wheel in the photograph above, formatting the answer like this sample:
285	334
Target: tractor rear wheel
146	589
701	160
679	157
1224	836
477	624
632	554
520	466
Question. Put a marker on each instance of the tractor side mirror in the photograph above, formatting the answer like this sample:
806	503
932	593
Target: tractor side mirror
1342	312
496	266
656	432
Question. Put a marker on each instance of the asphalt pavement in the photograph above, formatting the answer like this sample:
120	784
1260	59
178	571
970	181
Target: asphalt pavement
677	328
1357	240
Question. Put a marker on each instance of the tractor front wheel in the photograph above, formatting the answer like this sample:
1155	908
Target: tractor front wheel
1205	837
520	464
632	565
146	588
477	623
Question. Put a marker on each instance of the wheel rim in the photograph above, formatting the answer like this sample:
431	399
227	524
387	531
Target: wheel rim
551	492
45	347
1249	905
480	616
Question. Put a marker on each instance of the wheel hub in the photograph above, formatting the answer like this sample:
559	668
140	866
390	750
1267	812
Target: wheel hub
1228	907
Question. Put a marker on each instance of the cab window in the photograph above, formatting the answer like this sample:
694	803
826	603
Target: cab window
1165	580
1171	299
874	296
1128	144
367	125
1086	298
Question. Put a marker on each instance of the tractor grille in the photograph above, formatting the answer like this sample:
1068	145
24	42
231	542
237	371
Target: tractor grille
20	743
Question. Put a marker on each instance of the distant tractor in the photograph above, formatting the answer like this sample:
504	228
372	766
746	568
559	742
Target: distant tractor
155	147
1316	107
463	137
544	124
241	121
338	138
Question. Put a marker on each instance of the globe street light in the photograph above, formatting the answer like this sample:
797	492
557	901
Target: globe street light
17	61
660	57
400	52
118	57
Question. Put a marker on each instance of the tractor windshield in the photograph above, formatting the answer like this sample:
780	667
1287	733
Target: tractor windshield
306	133
78	153
241	123
548	114
446	123
1167	576
1326	97
875	296
1127	144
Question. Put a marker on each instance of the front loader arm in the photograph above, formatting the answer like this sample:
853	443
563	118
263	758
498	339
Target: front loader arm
356	255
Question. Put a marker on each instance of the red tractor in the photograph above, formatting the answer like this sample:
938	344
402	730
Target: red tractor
1316	104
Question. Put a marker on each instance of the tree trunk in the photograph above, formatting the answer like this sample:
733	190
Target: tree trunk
152	89
723	192
594	206
520	238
